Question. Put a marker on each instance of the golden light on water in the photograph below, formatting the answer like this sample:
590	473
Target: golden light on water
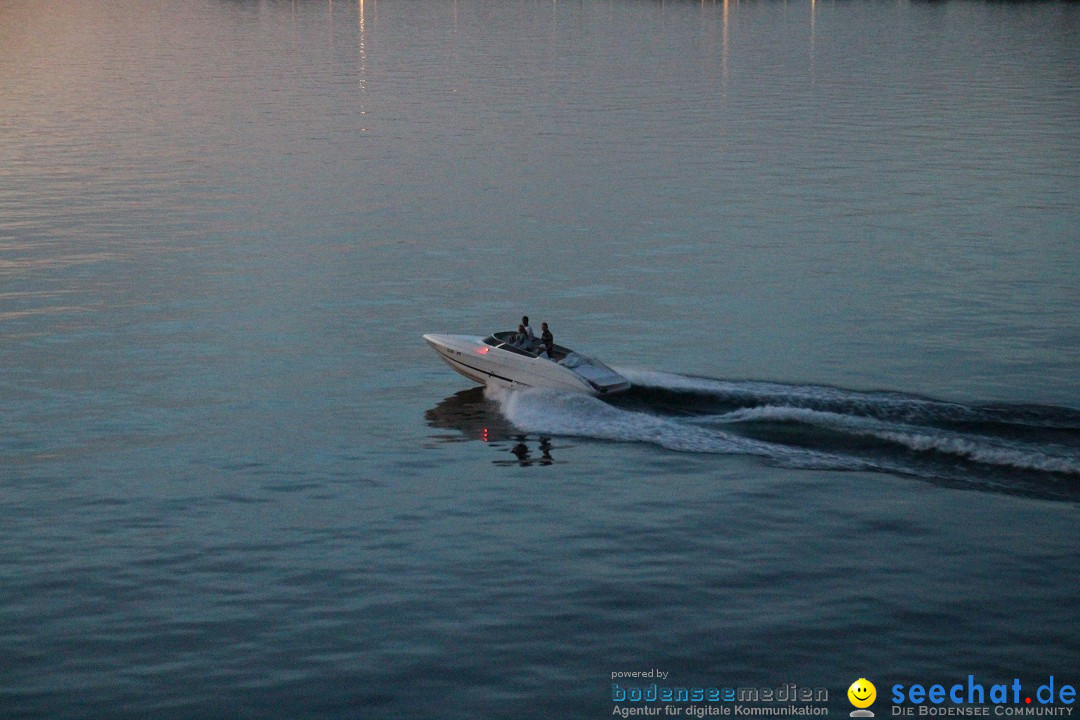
724	42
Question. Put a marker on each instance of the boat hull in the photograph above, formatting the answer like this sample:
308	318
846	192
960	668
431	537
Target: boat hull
469	356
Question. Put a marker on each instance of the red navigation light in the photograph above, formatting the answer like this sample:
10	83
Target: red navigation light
483	350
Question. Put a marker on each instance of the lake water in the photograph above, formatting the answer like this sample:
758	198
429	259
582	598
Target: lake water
835	246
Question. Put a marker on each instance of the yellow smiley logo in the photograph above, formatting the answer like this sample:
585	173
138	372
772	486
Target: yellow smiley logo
862	693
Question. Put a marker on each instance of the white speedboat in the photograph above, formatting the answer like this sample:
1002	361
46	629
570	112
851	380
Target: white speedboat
497	360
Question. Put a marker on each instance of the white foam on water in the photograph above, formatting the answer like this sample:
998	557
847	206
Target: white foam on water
889	417
889	404
973	447
549	412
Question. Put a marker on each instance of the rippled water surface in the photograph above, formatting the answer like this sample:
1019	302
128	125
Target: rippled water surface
834	246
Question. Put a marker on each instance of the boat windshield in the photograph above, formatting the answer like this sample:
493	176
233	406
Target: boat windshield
573	360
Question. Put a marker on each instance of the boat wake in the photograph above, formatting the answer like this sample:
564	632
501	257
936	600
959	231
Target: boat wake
1019	449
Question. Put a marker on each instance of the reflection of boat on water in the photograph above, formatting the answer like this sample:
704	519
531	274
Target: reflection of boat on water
497	360
473	417
525	456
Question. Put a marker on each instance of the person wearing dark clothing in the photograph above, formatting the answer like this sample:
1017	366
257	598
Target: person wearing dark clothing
547	340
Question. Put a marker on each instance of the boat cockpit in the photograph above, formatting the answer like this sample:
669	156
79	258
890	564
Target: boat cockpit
506	340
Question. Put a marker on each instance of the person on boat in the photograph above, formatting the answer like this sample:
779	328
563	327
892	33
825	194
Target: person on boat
520	339
529	338
547	340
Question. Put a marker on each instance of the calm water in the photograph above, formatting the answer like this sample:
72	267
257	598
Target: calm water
835	246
